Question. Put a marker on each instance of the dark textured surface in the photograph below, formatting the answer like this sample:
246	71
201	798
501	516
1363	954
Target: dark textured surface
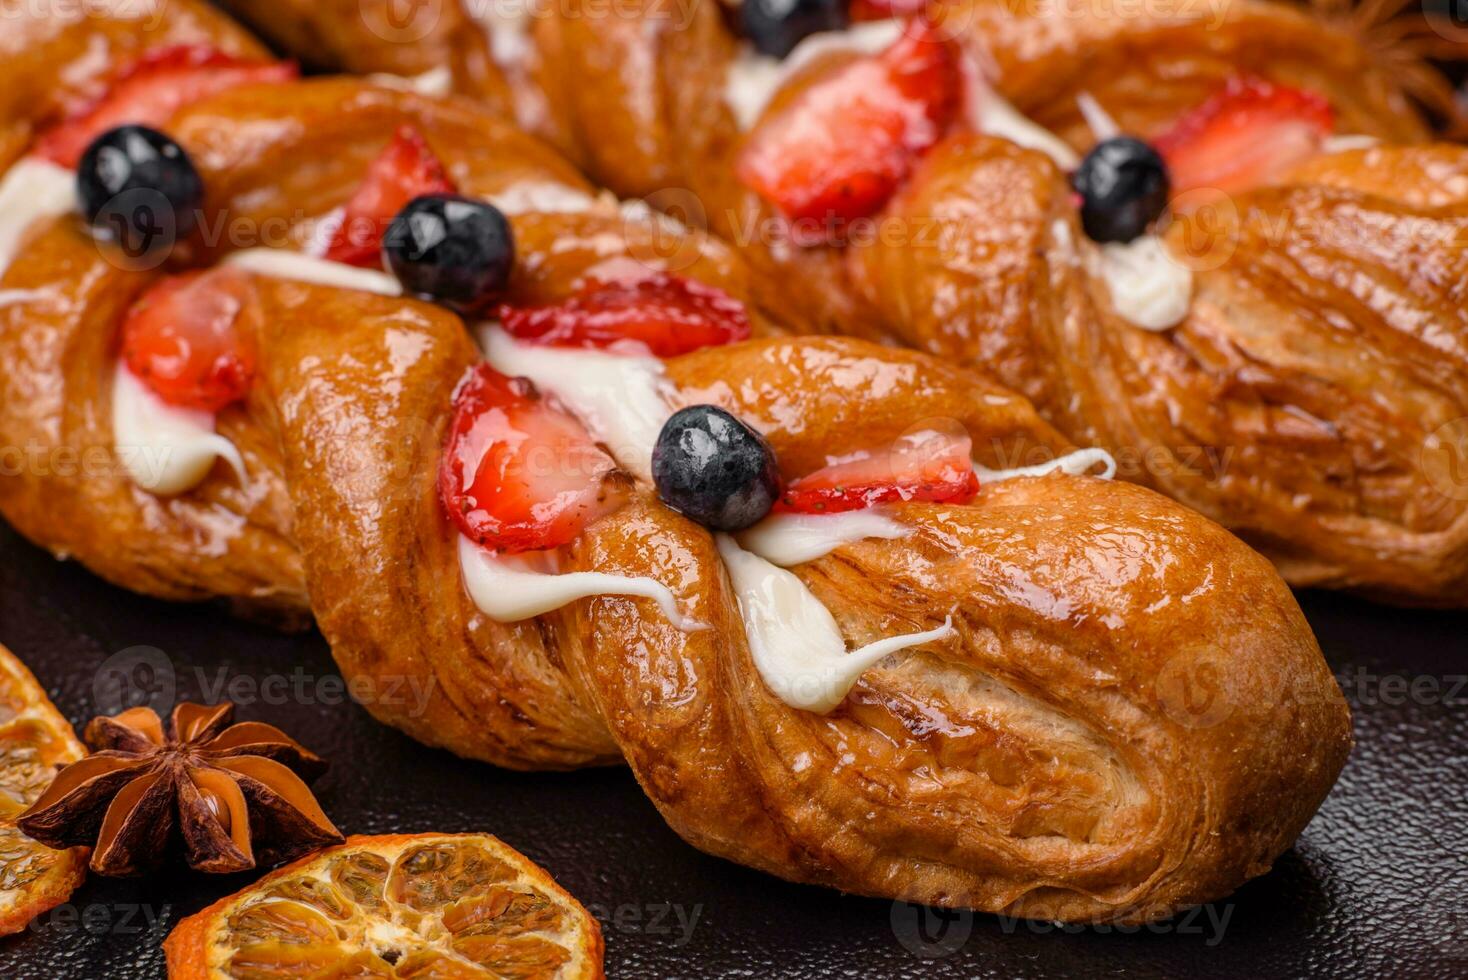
1377	885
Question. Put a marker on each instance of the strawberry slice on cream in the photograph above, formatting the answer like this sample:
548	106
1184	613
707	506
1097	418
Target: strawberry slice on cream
406	168
844	145
929	465
181	339
183	359
1247	135
520	474
150	90
659	314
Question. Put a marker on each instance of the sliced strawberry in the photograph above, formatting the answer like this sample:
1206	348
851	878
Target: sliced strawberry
151	90
844	145
406	168
519	474
934	466
1245	136
661	314
864	10
181	339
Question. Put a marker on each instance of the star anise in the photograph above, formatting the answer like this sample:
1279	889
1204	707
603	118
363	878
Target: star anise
234	793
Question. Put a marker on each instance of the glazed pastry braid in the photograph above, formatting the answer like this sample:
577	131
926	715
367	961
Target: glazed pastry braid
1291	364
1074	699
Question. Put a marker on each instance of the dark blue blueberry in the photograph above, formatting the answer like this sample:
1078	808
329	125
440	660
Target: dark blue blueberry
139	190
1123	185
451	250
774	27
714	469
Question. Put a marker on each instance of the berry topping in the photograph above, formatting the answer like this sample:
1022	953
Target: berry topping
841	148
931	465
868	10
405	169
1123	186
151	90
1247	135
519	474
714	469
662	315
451	250
181	339
139	189
775	27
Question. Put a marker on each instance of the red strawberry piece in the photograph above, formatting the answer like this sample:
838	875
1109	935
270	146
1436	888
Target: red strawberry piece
519	474
864	10
150	90
406	168
933	466
660	314
181	339
845	145
1247	135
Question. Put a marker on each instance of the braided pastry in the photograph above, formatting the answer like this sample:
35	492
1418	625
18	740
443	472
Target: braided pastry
1296	371
1019	728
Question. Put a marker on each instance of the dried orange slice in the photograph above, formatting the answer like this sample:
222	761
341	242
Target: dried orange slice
34	739
426	906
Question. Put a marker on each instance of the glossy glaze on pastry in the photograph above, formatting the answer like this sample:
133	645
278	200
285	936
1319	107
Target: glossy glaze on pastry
1295	390
1119	711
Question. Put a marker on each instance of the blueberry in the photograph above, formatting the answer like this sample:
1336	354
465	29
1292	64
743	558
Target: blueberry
774	27
138	189
1123	185
451	250
714	469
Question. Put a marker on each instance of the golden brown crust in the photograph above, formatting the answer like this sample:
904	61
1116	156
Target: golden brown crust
1150	63
1299	402
1078	781
1067	757
57	63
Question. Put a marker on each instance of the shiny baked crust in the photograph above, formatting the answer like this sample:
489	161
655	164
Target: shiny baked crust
1132	716
1306	401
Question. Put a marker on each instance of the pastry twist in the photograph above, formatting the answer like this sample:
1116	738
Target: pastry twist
1127	716
1313	397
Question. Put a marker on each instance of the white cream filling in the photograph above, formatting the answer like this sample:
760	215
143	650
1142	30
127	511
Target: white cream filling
1078	462
547	197
321	232
166	449
793	539
992	114
794	640
1148	287
1350	141
1102	126
753	78
510	588
31	190
435	82
282	264
507	25
622	399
